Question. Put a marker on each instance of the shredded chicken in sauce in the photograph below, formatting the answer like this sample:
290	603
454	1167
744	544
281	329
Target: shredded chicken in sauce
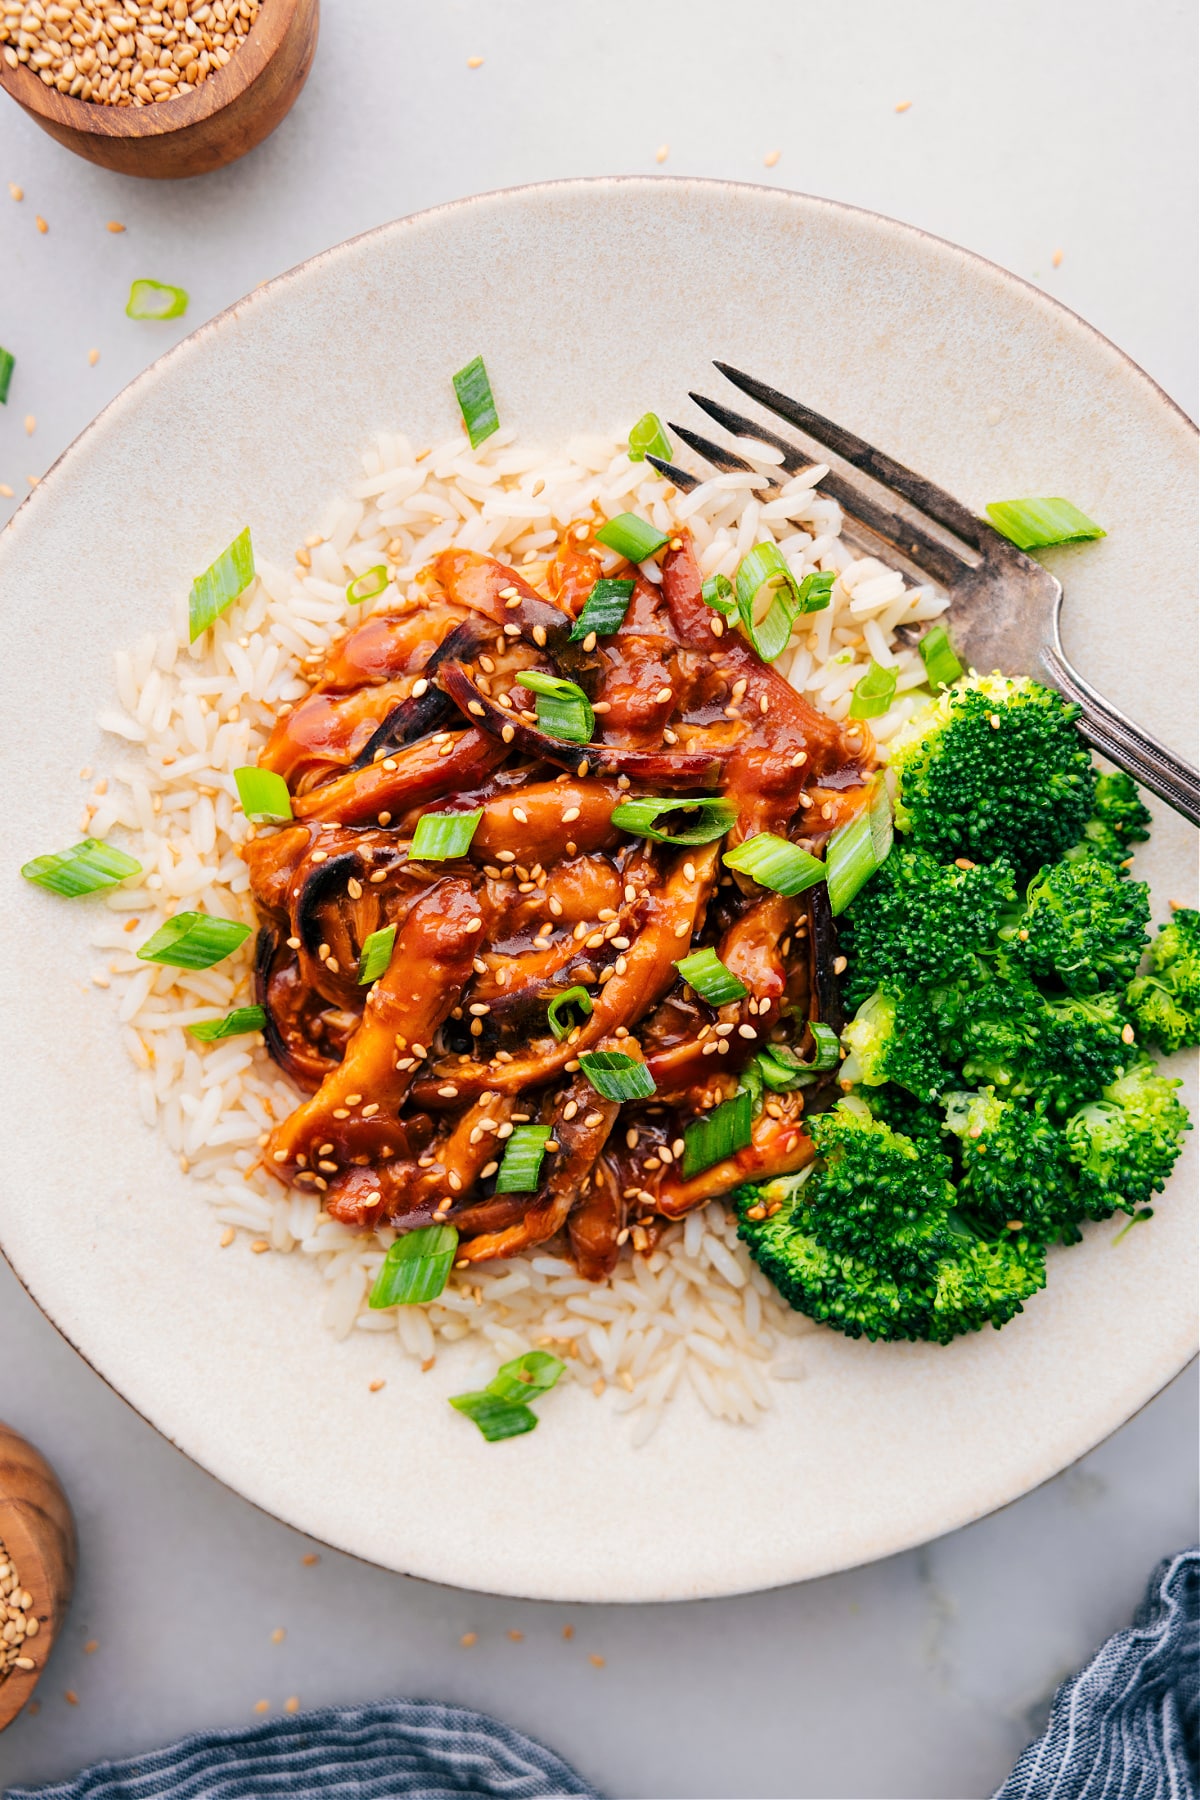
416	1082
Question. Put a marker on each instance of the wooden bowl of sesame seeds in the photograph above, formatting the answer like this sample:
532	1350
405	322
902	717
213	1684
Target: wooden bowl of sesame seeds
37	1568
157	88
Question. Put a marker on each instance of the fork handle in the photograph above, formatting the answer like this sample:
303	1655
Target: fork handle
1124	743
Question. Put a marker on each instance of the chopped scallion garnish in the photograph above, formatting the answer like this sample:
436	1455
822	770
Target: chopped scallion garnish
603	610
718	1134
496	1419
631	537
194	940
234	1024
521	1163
711	819
474	392
717	592
649	438
415	1268
775	863
937	653
563	709
441	836
561	1005
526	1377
263	794
156	300
367	586
781	1069
8	363
1031	524
501	1409
84	869
376	954
220	584
704	971
856	849
874	693
616	1076
765	566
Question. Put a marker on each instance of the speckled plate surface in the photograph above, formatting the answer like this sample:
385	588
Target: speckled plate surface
591	301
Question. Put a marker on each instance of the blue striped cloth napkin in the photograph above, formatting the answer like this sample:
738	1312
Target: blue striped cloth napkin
1127	1727
391	1748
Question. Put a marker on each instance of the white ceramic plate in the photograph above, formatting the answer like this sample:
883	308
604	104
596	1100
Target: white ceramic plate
591	302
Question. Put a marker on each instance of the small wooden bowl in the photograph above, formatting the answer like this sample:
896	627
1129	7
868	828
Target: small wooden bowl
38	1533
217	122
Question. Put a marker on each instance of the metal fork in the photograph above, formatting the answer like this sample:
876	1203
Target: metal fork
1004	608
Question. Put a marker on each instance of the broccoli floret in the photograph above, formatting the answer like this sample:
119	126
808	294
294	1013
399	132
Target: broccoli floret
1083	922
870	1244
994	768
1166	1003
1006	1034
1016	1174
1118	821
894	1040
911	1117
1126	1142
921	920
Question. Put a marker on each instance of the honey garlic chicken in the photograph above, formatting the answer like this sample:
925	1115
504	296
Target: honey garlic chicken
526	822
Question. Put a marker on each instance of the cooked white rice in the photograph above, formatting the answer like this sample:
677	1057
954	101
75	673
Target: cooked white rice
693	1311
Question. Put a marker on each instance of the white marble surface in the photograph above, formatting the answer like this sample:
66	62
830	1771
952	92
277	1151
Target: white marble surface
1031	130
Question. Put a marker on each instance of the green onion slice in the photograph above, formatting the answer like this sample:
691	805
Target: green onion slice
220	584
156	300
194	940
521	1163
8	363
376	954
631	537
263	794
704	971
874	693
718	1134
1029	524
563	709
717	592
764	566
501	1409
649	438
711	819
234	1024
526	1377
561	1004
782	1069
856	849
496	1419
416	1267
616	1076
775	863
367	586
439	837
474	392
937	653
83	869
604	609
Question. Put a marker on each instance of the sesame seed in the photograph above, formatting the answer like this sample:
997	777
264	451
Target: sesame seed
1127	1034
663	695
539	634
771	158
508	733
582	769
839	965
420	687
474	62
512	631
448	1092
320	856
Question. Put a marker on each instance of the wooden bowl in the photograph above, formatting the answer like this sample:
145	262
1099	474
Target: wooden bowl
236	108
38	1533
